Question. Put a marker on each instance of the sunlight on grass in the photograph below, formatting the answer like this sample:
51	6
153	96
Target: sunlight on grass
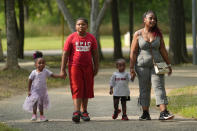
4	127
56	43
15	82
183	101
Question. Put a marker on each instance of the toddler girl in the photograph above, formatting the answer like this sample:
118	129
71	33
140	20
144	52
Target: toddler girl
37	88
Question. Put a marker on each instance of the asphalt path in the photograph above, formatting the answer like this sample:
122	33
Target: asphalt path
100	107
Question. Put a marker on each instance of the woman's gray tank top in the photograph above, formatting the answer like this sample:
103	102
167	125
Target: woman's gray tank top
144	57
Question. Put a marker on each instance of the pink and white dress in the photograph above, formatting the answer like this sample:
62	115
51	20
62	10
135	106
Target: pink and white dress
38	90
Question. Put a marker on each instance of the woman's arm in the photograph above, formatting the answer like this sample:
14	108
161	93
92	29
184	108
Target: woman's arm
164	54
95	61
133	55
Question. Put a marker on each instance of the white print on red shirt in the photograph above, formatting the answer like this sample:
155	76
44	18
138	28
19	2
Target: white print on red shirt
83	46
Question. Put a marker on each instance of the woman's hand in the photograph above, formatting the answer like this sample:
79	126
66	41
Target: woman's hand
170	70
133	74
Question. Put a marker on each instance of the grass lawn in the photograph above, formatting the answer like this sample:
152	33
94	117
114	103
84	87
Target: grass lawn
15	82
4	127
183	101
54	42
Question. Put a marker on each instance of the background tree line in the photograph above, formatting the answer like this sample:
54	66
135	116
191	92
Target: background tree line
115	13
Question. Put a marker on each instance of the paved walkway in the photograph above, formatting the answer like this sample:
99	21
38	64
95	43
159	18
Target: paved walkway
100	108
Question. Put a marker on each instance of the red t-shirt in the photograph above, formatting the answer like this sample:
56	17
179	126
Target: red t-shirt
80	48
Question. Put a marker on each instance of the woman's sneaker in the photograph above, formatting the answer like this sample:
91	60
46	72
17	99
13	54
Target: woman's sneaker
43	118
34	117
145	116
115	115
76	116
85	116
165	115
125	118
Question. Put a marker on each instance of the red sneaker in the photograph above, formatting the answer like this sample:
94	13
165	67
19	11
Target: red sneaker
115	115
76	116
125	118
85	116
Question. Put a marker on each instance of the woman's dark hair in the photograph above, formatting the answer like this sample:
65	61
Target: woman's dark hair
84	19
37	54
156	31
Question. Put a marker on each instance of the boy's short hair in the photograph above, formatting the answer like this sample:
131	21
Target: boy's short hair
82	18
121	60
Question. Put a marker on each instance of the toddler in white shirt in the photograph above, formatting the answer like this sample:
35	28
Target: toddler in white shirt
119	88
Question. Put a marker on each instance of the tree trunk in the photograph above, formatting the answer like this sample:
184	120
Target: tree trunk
26	10
131	20
93	26
66	14
177	50
5	12
1	49
21	29
116	30
49	7
183	33
12	61
95	20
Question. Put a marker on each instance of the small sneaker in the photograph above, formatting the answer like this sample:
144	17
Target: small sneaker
76	116
145	116
115	115
34	117
165	115
125	118
85	116
43	118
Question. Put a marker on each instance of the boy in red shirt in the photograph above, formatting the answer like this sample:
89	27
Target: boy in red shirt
80	50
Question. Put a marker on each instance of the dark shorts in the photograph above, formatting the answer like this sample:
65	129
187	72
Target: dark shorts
122	98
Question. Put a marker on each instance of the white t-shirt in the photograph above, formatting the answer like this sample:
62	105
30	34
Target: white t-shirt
120	83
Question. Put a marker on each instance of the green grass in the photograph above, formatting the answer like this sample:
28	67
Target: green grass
183	101
54	42
4	127
12	82
15	82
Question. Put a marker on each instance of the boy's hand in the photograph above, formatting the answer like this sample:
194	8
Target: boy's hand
111	91
63	75
95	71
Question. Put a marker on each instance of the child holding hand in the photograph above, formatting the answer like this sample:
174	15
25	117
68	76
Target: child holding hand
81	54
119	88
37	88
